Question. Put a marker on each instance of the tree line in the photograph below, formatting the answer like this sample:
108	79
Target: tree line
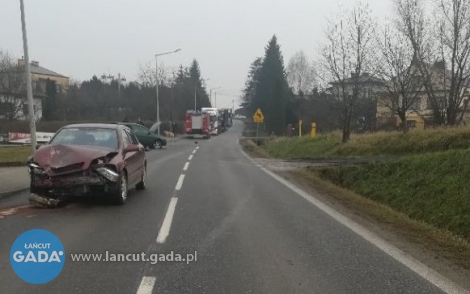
97	99
421	54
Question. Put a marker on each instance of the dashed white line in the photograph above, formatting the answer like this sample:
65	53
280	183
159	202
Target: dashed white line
190	157
185	168
165	229
180	183
146	285
197	147
194	152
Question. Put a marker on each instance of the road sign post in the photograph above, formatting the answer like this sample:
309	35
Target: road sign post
258	118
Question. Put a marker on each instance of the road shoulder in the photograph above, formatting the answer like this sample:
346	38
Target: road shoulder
419	241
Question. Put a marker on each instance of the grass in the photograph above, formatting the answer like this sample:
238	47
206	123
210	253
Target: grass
420	198
432	188
252	149
376	144
442	242
14	155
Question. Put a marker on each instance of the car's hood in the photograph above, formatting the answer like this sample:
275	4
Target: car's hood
57	156
155	126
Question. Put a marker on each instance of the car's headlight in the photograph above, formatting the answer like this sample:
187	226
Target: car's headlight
108	173
34	168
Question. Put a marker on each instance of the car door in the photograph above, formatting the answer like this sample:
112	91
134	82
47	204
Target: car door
144	135
131	159
141	154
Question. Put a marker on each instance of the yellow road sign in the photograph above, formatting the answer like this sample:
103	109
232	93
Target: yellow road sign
258	116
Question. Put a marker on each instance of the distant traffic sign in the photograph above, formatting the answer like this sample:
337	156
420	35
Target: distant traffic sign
258	116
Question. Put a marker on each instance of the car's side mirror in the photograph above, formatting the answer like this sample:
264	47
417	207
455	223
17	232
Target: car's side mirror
132	148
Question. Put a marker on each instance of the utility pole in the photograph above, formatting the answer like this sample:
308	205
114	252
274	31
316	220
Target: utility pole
29	88
215	98
156	82
123	79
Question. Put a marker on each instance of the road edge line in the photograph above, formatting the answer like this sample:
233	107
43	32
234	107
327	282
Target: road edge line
413	264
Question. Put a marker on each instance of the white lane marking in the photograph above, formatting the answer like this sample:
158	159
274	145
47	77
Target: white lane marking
146	285
197	147
185	168
190	157
165	229
180	182
421	269
194	152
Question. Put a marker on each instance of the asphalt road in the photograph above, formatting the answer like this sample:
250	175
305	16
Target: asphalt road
252	234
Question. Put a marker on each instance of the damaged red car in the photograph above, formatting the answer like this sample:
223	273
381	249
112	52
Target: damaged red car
88	160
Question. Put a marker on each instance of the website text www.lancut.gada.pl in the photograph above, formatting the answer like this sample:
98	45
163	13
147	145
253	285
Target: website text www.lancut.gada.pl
153	258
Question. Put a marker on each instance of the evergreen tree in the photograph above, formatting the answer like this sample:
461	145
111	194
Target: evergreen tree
251	83
272	90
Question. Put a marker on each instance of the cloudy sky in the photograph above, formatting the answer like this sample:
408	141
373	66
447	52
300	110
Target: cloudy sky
82	38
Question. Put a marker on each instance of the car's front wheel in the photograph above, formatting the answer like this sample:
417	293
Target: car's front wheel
158	144
119	195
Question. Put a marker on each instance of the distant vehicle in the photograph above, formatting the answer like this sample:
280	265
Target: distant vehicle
145	136
214	119
87	159
225	119
197	123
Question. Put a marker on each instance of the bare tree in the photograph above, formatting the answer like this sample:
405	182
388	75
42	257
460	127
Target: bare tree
403	82
418	29
348	54
454	36
147	75
301	74
11	88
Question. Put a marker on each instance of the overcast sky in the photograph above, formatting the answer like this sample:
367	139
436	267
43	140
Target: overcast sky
82	38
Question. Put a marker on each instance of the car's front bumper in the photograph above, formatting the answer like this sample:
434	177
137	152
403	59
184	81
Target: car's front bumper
76	184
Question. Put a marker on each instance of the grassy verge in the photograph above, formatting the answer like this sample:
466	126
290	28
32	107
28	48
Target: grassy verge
14	156
377	144
442	243
252	149
404	197
431	187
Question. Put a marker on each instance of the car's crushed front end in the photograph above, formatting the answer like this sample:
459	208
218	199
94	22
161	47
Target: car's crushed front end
61	170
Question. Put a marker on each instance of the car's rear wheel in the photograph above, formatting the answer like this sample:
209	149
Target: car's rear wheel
119	196
143	183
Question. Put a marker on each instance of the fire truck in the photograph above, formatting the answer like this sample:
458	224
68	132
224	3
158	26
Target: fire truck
213	115
197	123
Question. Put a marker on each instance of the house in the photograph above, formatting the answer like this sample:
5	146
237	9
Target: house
420	114
366	105
13	100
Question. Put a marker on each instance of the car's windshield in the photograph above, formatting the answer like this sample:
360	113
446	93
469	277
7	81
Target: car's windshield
87	136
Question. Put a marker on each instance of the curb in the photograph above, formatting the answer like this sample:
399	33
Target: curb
4	195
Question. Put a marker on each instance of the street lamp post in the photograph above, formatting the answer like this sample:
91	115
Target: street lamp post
29	88
156	87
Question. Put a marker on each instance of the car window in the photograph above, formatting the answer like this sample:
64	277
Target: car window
140	129
134	139
126	139
86	136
